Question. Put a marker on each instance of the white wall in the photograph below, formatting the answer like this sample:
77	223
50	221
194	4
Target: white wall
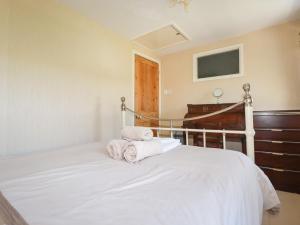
4	12
66	75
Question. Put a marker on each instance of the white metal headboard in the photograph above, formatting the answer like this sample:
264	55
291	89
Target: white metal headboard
248	132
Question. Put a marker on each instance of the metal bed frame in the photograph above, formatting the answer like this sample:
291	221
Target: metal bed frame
248	132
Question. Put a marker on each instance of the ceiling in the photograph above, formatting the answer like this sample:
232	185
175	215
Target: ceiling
205	21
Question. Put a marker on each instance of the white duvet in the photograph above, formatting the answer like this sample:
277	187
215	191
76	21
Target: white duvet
185	186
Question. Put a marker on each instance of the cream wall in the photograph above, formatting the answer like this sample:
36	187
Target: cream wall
271	66
65	78
4	12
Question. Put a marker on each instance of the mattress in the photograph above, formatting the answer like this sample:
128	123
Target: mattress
186	186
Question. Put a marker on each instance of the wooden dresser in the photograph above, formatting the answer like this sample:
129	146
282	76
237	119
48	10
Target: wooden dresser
277	147
231	120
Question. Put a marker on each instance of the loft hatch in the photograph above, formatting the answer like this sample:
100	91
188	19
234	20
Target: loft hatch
164	37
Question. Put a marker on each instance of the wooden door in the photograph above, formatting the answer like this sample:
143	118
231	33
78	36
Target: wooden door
146	90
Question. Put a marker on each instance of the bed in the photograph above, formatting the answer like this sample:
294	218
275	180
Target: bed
185	186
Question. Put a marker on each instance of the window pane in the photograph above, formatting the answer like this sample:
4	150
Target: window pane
219	64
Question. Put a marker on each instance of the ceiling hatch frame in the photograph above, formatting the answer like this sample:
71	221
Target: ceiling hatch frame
176	33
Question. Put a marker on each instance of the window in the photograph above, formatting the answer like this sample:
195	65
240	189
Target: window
219	63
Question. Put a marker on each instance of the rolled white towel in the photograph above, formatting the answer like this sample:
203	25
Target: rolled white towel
137	133
138	150
116	149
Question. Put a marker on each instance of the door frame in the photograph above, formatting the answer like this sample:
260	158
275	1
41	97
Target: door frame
134	53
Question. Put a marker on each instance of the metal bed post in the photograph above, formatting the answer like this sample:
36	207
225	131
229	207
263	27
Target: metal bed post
186	136
204	139
171	126
224	140
123	112
249	122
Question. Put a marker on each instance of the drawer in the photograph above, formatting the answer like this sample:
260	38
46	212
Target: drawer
281	147
284	180
209	108
213	137
209	144
277	160
277	121
212	141
230	122
278	135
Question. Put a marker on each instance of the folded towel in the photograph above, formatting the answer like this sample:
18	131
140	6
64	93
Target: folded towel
137	133
116	149
138	150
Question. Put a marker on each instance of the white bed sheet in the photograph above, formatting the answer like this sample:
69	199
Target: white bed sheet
186	186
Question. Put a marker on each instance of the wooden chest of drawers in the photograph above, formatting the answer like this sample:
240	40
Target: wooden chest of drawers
231	120
277	147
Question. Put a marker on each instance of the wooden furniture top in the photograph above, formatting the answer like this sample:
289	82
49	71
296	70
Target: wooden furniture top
232	120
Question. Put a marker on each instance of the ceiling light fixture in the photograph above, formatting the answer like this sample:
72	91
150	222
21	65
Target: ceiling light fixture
185	3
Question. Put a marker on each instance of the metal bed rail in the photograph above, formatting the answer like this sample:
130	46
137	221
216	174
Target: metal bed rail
248	132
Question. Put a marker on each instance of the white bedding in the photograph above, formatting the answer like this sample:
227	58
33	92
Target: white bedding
185	186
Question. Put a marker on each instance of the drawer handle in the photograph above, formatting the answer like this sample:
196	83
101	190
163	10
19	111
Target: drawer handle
276	130
279	170
276	153
277	142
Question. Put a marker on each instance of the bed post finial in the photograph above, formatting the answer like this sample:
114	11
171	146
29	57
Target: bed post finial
123	111
123	106
247	97
249	121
